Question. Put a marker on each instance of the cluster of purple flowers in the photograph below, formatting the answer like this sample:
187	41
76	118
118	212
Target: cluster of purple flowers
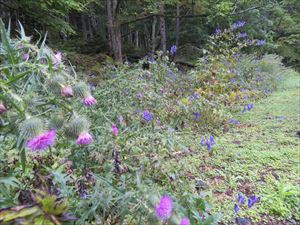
218	31
233	121
194	96
164	210
197	116
248	107
242	35
260	42
147	116
237	25
173	50
242	201
208	142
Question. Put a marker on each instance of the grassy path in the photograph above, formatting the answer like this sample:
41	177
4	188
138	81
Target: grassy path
261	156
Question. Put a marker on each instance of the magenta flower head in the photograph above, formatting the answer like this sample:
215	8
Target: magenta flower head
114	129
42	141
164	208
84	139
185	221
2	108
89	100
67	91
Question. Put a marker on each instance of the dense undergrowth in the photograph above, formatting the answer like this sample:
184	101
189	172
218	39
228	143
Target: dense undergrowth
104	157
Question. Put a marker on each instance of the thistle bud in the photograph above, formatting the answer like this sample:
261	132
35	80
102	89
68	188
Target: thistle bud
56	122
32	127
2	108
67	91
82	90
78	126
55	83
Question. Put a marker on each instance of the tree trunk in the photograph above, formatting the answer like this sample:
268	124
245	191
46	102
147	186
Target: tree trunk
162	29
137	39
177	23
90	28
114	30
84	29
153	35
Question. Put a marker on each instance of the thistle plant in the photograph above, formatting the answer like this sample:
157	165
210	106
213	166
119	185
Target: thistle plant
41	99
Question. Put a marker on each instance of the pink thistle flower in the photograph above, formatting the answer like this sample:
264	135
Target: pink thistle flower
185	221
164	208
2	108
42	141
25	57
114	129
89	101
84	139
67	91
57	59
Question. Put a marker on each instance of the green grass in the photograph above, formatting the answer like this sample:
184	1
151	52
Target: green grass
259	156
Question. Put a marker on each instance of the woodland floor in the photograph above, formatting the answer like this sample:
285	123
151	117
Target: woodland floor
260	156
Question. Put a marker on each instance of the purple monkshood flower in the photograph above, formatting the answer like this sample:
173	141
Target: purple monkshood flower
89	101
242	35
241	23
197	116
246	97
233	81
237	25
173	50
244	109
42	141
209	143
164	208
260	42
185	221
202	142
252	200
212	140
233	121
84	139
250	106
147	116
218	31
241	199
236	208
194	96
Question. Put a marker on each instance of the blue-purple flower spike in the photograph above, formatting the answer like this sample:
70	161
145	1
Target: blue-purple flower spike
236	208
252	200
241	199
173	50
147	116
